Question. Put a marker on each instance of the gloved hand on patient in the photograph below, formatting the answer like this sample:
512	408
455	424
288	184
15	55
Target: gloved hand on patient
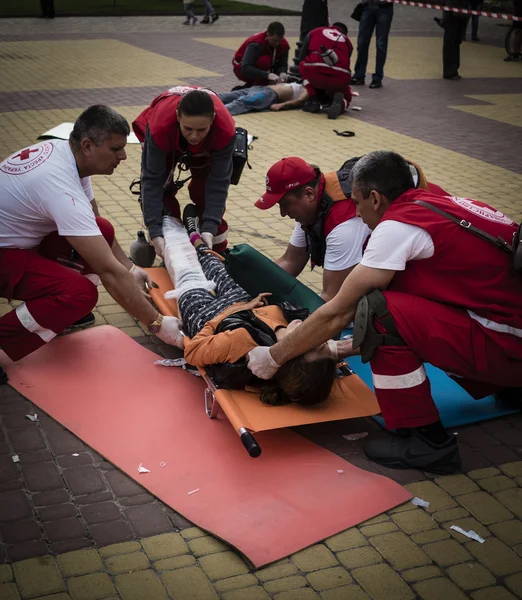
170	332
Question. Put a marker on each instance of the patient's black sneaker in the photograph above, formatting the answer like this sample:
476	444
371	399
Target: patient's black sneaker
415	452
191	219
3	376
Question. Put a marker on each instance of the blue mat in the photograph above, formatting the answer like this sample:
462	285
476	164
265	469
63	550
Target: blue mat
456	406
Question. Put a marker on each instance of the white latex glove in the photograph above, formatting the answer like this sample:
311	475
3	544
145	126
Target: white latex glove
159	245
208	238
170	331
261	363
273	78
283	77
141	277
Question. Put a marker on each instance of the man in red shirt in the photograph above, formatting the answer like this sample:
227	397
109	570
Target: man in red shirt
427	290
324	63
262	59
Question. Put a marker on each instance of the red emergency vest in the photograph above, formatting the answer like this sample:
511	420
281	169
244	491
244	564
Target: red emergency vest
465	270
260	38
161	119
332	39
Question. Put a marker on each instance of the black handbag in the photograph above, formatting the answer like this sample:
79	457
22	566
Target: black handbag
240	156
357	12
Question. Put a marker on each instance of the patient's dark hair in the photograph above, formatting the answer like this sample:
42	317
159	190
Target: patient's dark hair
302	381
197	103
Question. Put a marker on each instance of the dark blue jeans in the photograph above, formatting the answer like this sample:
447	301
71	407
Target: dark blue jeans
380	19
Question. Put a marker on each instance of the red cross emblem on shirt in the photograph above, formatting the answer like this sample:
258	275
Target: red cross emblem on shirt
25	154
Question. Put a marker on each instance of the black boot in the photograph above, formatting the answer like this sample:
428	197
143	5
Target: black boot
312	105
336	107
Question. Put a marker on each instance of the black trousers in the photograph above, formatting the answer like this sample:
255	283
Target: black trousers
454	31
47	8
314	14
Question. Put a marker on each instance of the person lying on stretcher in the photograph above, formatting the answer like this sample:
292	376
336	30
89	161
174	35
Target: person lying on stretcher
222	323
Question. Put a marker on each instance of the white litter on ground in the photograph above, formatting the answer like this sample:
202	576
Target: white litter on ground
15	458
472	535
193	491
356	108
76	454
32	418
171	362
420	502
142	469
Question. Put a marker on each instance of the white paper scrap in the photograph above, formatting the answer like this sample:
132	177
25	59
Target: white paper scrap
15	458
142	469
340	471
171	362
76	454
193	491
351	437
32	418
420	502
472	535
356	108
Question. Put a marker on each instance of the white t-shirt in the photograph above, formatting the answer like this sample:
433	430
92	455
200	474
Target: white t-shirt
393	244
41	192
343	244
297	90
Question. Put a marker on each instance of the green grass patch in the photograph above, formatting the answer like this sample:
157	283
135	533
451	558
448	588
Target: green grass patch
134	7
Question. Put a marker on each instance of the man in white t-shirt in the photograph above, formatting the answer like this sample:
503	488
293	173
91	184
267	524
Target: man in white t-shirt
53	243
327	230
280	96
436	284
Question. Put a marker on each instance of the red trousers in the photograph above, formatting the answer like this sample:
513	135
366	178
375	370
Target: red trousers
196	190
264	63
481	361
328	80
55	295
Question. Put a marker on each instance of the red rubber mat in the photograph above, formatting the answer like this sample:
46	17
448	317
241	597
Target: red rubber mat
105	388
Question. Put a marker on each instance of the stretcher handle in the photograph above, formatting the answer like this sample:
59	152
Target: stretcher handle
249	442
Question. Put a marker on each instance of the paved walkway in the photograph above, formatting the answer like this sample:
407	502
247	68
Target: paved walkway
72	525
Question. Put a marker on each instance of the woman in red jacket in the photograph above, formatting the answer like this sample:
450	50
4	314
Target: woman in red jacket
186	129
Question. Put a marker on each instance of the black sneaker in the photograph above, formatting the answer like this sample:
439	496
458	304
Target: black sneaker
191	219
205	20
375	84
357	81
336	107
312	105
82	323
415	452
214	17
3	376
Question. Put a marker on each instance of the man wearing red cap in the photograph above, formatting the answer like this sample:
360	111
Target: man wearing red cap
327	229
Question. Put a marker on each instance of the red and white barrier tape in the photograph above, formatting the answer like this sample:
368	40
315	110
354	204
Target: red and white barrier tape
465	11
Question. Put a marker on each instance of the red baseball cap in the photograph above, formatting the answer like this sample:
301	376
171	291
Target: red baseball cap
285	175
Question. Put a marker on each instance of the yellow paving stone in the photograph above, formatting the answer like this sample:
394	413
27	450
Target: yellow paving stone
316	557
235	583
509	532
122	319
512	469
192	533
433	535
347	592
467	524
38	577
496	556
80	562
283	568
497	483
176	562
164	546
514	583
450	514
132	331
380	528
207	545
403	507
512	499
414	521
6	573
485	508
188	584
222	565
400	551
8	591
126	563
251	593
286	583
381	582
302	594
438	589
432	493
506	108
375	520
66	597
123	548
471	576
493	593
457	484
326	579
359	557
351	538
90	587
518	549
447	552
478	474
143	585
421	573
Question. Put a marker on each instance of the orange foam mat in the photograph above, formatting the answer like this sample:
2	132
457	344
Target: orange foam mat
350	397
104	387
